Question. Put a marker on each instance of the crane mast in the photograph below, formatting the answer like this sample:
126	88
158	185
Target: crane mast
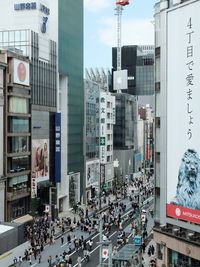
119	9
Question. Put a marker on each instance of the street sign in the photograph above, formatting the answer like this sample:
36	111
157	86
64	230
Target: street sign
105	253
137	240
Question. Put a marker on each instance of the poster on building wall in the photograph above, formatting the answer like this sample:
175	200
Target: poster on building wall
74	189
183	114
40	159
21	72
92	173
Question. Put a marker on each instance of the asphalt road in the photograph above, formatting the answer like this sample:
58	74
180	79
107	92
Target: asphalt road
94	258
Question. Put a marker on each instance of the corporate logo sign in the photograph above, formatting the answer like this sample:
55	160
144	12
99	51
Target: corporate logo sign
35	6
21	72
183	114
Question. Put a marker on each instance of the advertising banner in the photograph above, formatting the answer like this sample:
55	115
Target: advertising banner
21	72
183	113
74	188
40	159
92	172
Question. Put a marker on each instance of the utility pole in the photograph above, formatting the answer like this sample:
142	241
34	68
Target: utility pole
140	224
100	222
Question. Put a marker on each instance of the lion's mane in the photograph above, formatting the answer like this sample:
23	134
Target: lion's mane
188	186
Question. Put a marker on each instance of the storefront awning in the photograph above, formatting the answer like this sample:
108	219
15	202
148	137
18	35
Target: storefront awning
24	219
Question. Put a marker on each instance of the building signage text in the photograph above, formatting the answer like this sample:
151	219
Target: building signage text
32	6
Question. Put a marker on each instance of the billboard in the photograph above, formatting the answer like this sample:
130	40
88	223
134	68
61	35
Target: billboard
92	172
21	73
74	188
183	113
40	159
120	79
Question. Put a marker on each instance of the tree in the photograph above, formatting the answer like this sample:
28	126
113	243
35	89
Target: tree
34	206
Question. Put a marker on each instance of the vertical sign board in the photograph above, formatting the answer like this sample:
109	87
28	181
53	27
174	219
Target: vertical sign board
58	147
102	130
183	113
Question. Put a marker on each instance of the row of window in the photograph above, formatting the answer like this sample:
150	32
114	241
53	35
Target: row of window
18	105
18	125
18	144
18	164
102	100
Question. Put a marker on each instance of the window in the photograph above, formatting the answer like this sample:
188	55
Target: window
18	125
18	184
18	105
108	148
18	144
108	127
18	164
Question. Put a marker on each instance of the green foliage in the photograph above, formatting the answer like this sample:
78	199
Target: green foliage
34	206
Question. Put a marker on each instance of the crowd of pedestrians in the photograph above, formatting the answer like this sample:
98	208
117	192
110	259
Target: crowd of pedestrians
42	231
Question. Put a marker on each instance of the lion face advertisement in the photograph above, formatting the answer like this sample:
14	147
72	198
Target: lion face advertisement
188	185
187	196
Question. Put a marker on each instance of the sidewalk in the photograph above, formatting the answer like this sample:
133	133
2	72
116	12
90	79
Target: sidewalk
145	255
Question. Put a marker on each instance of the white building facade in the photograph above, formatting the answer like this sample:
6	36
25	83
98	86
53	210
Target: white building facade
177	124
106	122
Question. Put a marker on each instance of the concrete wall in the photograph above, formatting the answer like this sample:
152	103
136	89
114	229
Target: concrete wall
2	184
177	245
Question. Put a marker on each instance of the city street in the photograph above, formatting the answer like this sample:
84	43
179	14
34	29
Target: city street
57	248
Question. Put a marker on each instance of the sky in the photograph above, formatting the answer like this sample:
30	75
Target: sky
100	29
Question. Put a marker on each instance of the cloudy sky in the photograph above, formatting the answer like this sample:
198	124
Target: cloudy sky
100	32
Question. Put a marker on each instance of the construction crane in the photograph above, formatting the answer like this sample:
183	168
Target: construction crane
119	9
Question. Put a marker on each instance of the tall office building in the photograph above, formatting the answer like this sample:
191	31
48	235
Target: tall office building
91	151
177	124
125	134
99	121
139	61
50	35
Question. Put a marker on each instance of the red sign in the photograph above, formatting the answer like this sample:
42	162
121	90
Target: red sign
105	253
183	213
122	2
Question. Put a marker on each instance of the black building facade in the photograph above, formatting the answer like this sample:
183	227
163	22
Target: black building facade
139	61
